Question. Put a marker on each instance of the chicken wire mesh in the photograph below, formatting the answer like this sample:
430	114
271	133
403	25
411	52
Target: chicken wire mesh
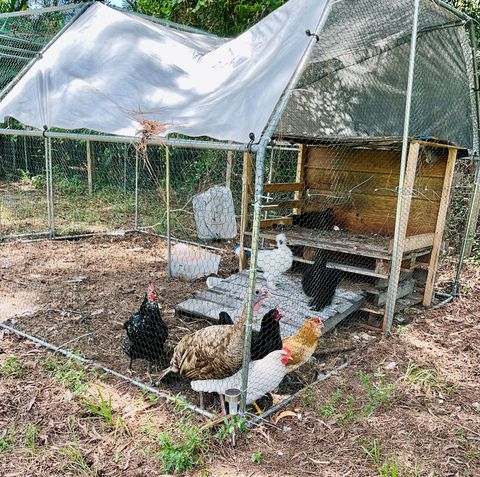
329	233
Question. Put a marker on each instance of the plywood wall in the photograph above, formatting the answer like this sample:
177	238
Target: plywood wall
360	185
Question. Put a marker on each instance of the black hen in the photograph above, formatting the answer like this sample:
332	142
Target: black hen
324	220
268	339
319	282
224	318
146	332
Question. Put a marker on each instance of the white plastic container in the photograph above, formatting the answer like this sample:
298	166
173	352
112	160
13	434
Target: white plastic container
190	262
215	214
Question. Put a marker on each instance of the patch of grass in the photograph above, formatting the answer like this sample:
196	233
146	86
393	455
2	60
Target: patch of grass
6	441
377	391
183	453
68	373
350	414
427	379
102	408
257	457
13	368
385	467
30	438
179	403
74	454
330	409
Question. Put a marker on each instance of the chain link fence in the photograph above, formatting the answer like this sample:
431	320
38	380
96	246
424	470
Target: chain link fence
354	211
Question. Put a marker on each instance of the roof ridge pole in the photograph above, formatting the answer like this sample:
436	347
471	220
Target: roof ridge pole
257	201
39	11
27	67
397	251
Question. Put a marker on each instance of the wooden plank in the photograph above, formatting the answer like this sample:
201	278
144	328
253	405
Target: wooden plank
379	185
283	187
406	200
267	223
283	205
440	228
405	288
300	175
246	196
364	160
89	167
358	270
415	242
401	304
323	240
230	293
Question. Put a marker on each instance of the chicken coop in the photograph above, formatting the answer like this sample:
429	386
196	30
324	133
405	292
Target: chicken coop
318	170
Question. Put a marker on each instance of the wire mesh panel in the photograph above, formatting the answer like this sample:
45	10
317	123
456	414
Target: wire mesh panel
256	258
23	200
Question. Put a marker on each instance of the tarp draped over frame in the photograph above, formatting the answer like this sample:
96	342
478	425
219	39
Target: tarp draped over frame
110	71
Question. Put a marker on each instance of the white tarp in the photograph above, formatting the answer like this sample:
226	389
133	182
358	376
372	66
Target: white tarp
111	70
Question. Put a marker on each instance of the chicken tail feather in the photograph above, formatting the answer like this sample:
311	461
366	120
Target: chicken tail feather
163	374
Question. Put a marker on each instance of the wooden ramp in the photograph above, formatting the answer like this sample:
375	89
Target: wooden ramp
229	296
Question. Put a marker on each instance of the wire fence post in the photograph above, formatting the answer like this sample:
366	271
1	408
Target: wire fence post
167	187
400	226
89	167
257	205
49	179
136	188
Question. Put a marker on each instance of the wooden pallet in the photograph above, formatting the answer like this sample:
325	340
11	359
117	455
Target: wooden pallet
230	294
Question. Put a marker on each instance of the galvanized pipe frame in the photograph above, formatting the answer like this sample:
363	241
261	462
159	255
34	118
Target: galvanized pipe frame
472	219
264	142
40	11
172	142
397	252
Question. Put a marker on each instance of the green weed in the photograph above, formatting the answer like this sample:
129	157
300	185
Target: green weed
350	414
229	426
427	379
13	368
74	454
102	408
257	457
6	441
184	453
308	397
385	468
67	373
30	438
377	391
329	409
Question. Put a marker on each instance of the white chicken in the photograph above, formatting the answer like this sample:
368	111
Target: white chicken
275	262
264	375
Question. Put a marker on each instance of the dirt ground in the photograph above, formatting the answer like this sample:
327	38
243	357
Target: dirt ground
406	406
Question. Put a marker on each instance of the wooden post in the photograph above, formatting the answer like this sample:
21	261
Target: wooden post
89	168
228	175
300	177
246	196
440	227
406	199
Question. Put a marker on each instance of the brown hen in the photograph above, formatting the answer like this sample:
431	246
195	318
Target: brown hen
303	344
214	352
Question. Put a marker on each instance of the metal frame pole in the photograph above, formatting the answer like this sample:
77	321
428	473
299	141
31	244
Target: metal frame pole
474	208
169	236
135	226
39	11
184	143
257	203
49	180
397	251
